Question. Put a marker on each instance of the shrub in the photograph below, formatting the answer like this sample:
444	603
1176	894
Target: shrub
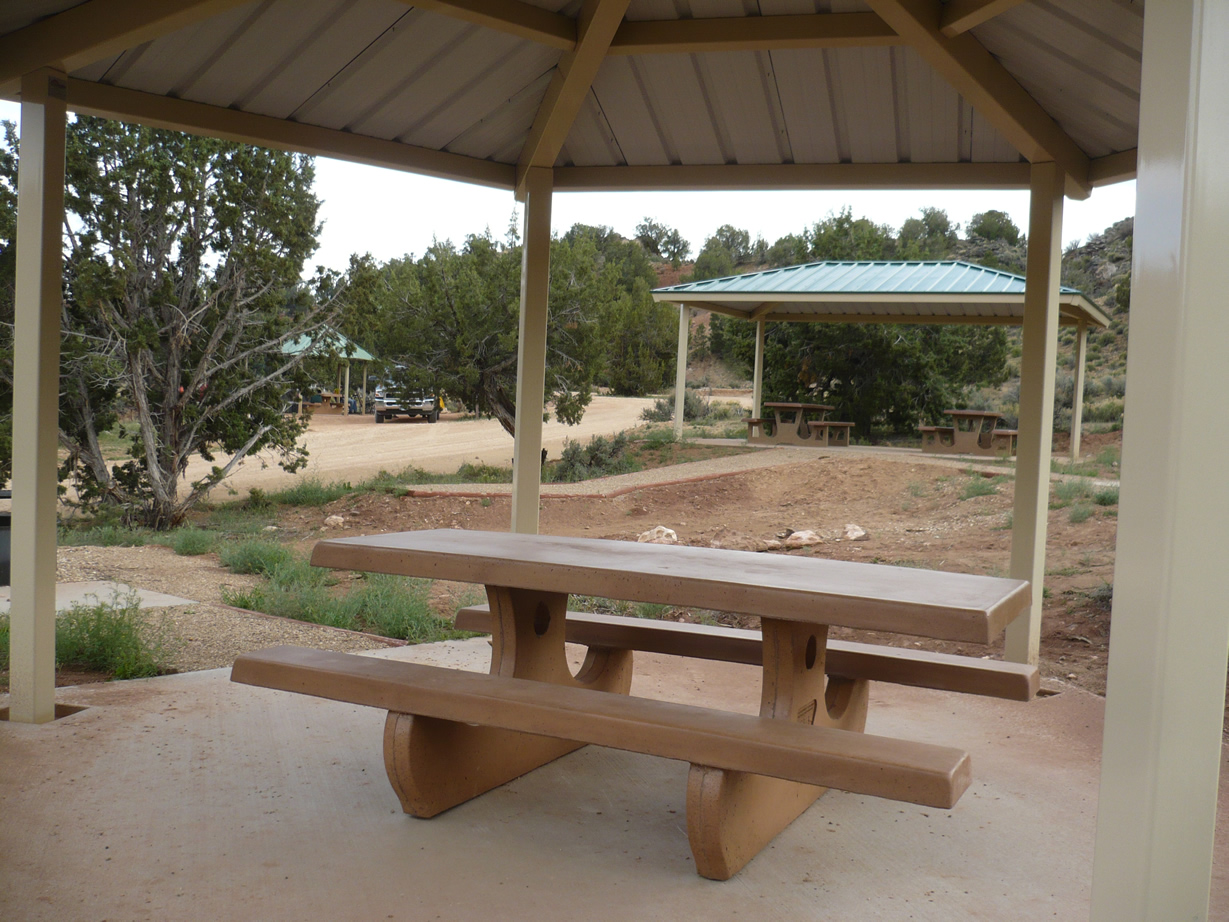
600	458
112	637
254	556
191	542
662	411
1070	491
1106	497
1079	513
484	473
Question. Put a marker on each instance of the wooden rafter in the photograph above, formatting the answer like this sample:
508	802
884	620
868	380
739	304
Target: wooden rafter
977	76
1104	171
90	98
510	16
599	20
795	176
962	15
753	33
94	30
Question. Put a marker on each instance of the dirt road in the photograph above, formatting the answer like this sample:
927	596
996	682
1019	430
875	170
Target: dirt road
354	448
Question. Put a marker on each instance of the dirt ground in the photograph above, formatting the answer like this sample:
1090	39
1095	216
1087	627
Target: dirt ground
914	513
356	448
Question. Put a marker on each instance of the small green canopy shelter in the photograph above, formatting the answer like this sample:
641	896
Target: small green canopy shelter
329	340
874	291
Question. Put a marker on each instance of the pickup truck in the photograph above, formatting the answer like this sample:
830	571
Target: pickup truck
391	406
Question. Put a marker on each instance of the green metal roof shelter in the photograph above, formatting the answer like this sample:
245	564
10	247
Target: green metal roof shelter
330	340
874	291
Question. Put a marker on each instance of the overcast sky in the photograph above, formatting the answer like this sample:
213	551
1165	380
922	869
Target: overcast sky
388	213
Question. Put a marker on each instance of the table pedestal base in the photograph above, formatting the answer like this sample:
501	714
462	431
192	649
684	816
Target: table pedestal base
732	815
436	764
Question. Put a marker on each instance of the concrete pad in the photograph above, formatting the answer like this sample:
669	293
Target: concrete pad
93	591
189	797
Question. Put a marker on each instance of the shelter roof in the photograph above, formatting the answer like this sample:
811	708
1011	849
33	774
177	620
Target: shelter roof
618	94
877	291
325	341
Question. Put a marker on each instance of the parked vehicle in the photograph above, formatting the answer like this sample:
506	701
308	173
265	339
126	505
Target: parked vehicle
390	406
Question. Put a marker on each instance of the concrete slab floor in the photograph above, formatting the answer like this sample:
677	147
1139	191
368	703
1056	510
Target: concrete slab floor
91	592
188	797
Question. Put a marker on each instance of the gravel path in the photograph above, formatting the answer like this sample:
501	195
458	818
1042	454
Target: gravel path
208	634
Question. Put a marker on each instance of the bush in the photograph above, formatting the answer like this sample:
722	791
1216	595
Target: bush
484	473
112	637
254	556
662	411
1070	491
1079	513
600	458
192	542
1106	497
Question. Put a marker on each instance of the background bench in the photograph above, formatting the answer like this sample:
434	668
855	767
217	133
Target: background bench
898	665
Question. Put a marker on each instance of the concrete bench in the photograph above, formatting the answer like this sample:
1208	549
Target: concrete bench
938	438
849	660
830	433
903	770
757	433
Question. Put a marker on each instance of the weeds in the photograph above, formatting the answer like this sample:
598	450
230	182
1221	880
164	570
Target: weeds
1070	491
311	491
1080	512
112	637
254	556
1106	497
981	486
192	542
104	536
600	458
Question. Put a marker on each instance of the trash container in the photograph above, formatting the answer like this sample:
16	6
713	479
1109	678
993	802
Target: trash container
6	531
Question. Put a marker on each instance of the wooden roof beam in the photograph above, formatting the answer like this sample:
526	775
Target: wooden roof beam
596	27
510	16
95	30
962	15
977	76
89	98
1119	167
711	177
753	33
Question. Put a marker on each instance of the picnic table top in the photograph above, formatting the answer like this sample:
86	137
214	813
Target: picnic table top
797	406
948	606
986	413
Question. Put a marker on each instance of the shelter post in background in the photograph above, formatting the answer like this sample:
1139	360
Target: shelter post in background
531	353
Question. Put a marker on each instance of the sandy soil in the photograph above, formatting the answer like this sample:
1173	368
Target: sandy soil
355	448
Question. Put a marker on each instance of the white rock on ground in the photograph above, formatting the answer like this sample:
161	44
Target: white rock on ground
804	538
659	535
855	533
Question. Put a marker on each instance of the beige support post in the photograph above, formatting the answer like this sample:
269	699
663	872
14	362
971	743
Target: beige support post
680	370
1164	714
345	393
366	369
36	389
531	353
1040	352
1077	396
757	386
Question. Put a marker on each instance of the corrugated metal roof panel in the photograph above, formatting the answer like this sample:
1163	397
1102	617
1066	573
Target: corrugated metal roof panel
929	277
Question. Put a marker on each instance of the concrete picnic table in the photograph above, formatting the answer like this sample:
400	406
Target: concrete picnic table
452	735
973	432
791	426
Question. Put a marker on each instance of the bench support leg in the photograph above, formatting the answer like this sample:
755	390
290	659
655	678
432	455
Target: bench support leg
732	815
436	764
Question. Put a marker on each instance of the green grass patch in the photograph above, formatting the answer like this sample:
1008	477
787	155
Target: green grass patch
113	637
981	486
1077	469
311	491
254	556
1080	512
1106	497
192	542
391	606
105	536
1067	492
